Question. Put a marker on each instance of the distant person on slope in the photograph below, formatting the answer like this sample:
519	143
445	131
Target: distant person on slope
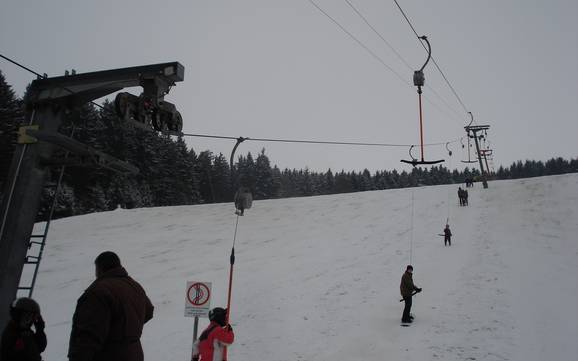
19	341
461	196
211	343
465	197
110	315
243	200
447	235
407	287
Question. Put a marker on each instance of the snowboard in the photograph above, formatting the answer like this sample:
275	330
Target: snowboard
406	324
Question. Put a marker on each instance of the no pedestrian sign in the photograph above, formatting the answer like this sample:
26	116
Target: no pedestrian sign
198	299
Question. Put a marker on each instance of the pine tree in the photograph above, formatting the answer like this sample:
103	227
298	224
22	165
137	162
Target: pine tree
221	179
11	116
264	185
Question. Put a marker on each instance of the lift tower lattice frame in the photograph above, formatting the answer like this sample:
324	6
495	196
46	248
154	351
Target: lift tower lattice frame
474	129
49	99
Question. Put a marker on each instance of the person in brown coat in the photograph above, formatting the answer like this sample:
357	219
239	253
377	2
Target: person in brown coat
110	315
19	341
406	288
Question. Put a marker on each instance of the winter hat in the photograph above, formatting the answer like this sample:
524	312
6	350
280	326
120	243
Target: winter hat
409	267
21	305
107	261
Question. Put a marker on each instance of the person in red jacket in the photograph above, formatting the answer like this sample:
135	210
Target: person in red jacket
213	340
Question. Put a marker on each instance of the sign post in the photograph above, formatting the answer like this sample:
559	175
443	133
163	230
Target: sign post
197	303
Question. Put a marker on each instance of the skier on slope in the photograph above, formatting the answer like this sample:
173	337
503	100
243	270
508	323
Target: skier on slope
211	343
447	235
406	288
19	341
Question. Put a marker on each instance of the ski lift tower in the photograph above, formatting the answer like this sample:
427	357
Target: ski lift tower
48	102
472	131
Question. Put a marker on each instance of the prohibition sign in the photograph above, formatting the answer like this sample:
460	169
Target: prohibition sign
198	294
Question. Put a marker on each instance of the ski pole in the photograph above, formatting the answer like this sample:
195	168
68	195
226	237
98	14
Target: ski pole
232	262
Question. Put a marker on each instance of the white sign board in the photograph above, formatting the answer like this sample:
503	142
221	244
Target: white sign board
198	299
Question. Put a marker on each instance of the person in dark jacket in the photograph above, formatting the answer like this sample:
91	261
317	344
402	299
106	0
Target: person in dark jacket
406	288
19	341
110	315
461	196
243	200
219	334
447	235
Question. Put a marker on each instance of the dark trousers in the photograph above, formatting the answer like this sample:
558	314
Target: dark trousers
447	239
406	309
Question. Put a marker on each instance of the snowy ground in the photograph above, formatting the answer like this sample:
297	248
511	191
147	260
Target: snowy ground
318	278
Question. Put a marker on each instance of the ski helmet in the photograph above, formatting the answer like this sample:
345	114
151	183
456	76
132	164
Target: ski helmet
218	315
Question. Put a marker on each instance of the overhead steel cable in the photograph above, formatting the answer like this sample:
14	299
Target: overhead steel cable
360	43
397	54
378	34
434	61
42	77
326	142
374	55
262	139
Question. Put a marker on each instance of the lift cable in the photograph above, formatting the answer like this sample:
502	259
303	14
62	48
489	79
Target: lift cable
398	55
433	60
373	54
360	43
40	76
259	139
317	141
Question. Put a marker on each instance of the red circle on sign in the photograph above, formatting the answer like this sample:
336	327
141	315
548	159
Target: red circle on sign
200	294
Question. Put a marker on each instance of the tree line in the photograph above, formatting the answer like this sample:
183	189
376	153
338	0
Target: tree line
172	174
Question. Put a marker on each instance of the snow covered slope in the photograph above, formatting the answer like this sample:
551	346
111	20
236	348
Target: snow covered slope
318	278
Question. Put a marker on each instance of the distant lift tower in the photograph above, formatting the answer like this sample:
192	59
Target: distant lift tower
49	100
472	131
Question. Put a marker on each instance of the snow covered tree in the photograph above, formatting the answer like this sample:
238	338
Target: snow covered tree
11	116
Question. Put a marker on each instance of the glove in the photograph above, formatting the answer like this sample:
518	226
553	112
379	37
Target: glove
195	358
39	323
228	327
418	290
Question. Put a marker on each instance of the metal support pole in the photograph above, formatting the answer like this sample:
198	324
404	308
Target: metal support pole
484	181
195	332
420	125
196	328
486	161
26	180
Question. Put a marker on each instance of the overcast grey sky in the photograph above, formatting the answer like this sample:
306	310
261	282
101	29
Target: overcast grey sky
282	69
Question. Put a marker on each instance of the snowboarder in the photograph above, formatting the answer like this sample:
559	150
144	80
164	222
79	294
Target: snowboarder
210	345
19	341
407	288
243	200
447	236
110	315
